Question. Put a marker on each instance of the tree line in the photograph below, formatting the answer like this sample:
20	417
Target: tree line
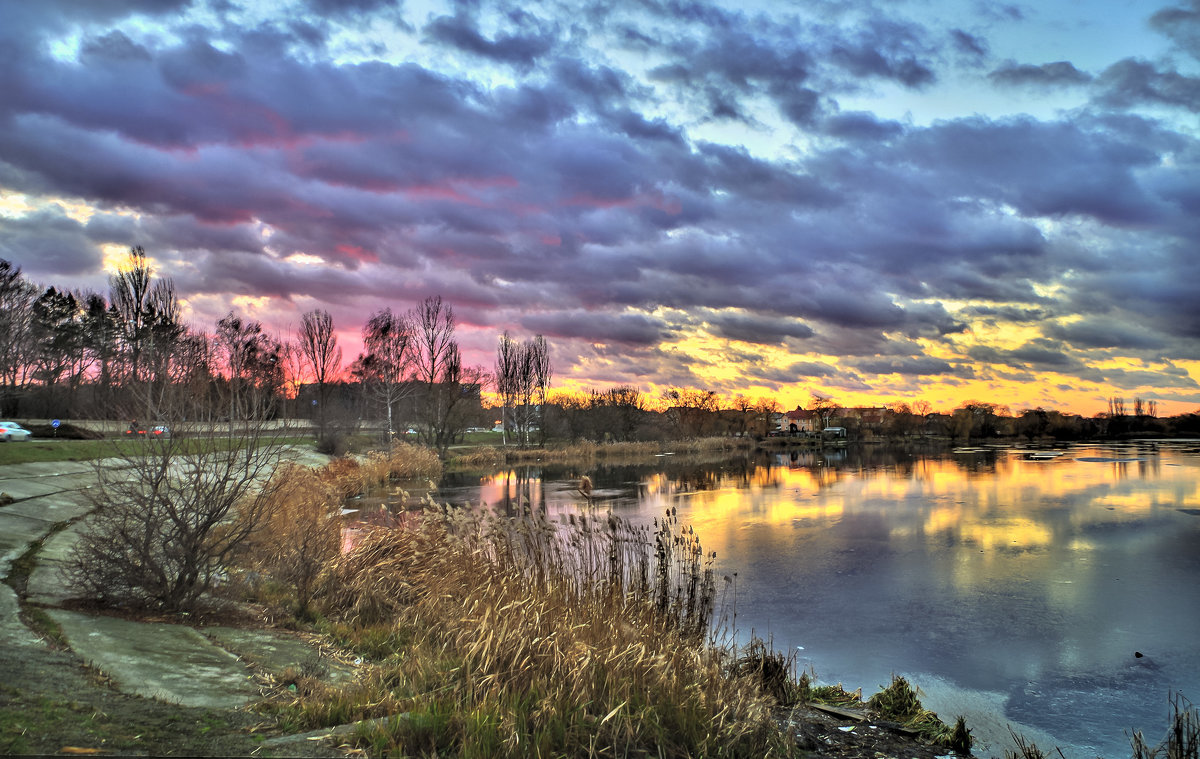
128	354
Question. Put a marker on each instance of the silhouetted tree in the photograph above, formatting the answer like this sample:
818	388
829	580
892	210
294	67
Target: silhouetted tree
385	366
522	378
17	295
253	366
318	345
448	389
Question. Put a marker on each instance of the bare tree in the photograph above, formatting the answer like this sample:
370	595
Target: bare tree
385	366
693	411
293	363
149	326
318	345
617	412
522	379
57	336
448	388
542	371
825	407
253	365
506	378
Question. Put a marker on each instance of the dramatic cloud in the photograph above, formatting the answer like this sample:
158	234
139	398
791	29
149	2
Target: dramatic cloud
675	193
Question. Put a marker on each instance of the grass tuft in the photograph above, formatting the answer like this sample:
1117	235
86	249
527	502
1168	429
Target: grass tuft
901	702
498	636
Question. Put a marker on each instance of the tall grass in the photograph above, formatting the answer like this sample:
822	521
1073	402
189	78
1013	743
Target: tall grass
1183	737
301	527
526	637
402	463
299	534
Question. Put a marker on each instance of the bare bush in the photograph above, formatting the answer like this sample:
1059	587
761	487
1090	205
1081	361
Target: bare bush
169	514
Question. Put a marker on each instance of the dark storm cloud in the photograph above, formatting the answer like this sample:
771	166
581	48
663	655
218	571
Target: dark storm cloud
801	370
1000	11
600	327
993	315
1106	332
860	125
913	367
462	32
21	16
1158	294
1127	379
969	43
1039	355
887	50
48	244
1056	74
1182	24
758	329
350	8
1131	82
798	65
1042	169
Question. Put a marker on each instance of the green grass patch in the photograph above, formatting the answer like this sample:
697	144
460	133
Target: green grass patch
44	625
901	703
36	451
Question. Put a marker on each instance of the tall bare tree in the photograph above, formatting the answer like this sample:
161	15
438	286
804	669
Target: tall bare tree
149	328
447	387
253	364
388	359
522	379
318	345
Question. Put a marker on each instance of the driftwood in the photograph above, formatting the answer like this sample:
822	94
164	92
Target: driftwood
838	711
858	716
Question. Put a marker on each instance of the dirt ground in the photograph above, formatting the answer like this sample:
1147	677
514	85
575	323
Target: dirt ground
828	736
51	703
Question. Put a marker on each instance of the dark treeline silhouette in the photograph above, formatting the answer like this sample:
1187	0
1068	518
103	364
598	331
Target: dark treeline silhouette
123	354
126	354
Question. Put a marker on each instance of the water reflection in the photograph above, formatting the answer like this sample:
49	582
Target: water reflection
1025	574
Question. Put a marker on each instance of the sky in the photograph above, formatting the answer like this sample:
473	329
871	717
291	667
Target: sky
872	201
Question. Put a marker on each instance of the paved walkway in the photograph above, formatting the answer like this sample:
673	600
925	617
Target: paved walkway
207	666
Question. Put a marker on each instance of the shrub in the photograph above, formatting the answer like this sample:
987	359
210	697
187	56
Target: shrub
167	521
299	534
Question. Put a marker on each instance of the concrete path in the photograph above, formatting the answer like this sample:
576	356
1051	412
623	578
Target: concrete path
171	663
207	667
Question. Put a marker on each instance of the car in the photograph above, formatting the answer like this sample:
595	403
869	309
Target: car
13	431
160	431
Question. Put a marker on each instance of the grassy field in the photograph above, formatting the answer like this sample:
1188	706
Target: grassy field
37	450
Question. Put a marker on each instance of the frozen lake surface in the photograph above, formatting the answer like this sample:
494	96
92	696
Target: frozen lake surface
1013	585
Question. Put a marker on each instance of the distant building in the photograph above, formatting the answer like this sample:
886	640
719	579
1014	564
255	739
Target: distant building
801	420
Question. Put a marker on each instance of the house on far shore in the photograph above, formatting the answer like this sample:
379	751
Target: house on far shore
800	421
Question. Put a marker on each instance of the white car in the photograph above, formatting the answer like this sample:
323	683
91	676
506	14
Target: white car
13	431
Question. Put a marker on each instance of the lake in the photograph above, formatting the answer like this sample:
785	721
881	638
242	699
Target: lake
1015	586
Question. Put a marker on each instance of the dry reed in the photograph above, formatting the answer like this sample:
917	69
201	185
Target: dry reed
299	534
536	638
1183	737
402	463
